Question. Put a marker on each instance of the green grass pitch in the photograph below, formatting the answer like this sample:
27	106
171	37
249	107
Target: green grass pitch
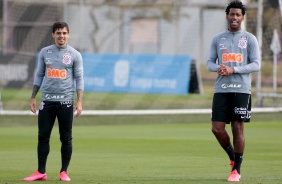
141	153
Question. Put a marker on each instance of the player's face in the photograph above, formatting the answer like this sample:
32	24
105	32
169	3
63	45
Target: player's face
234	19
61	37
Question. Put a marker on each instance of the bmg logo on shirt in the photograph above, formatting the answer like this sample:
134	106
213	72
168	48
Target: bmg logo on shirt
56	73
232	57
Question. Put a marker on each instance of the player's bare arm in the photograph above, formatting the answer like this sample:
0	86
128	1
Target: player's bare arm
32	103
79	94
78	106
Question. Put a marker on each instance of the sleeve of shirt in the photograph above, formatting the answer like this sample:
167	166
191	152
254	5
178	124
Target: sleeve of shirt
40	70
254	62
212	57
78	72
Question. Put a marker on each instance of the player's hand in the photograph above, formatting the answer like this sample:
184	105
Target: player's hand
224	70
32	105
78	108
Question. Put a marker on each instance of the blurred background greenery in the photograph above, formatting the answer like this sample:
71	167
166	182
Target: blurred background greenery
18	99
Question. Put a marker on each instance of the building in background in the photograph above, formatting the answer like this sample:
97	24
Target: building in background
173	27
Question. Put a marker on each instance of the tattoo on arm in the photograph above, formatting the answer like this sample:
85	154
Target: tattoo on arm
79	94
35	91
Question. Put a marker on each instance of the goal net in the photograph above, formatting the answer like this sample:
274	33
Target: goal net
267	27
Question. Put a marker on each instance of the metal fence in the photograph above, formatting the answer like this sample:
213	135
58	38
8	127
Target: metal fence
123	26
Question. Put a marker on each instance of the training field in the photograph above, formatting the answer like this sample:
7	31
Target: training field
168	149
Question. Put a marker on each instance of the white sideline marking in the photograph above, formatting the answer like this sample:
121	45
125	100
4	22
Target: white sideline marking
145	112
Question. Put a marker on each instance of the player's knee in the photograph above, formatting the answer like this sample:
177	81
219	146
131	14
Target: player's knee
66	140
214	130
217	130
43	139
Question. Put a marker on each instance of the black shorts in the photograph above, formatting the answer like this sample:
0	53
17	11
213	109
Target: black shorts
227	107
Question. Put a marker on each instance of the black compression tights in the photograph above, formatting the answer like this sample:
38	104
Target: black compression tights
46	120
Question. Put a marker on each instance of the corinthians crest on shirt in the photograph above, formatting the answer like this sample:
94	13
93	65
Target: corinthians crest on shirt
242	43
66	59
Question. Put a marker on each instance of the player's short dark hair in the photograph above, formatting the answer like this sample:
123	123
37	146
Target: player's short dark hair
60	25
235	4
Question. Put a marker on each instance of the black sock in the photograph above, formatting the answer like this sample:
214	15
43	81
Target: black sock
230	151
238	161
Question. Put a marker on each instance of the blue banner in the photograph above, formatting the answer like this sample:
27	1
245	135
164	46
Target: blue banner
129	73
